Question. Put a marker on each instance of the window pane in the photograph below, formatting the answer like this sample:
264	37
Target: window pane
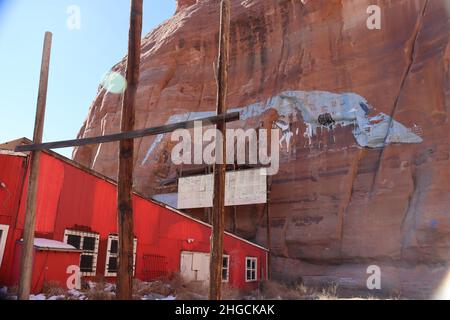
249	275
253	264
225	262
112	264
86	263
224	274
249	263
114	246
89	243
74	240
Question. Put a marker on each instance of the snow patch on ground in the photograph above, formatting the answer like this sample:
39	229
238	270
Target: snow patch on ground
92	291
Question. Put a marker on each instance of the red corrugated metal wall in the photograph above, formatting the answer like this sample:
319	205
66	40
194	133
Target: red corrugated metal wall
13	175
75	199
48	266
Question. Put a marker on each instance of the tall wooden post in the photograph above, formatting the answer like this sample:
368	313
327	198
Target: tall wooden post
218	216
126	152
26	264
269	233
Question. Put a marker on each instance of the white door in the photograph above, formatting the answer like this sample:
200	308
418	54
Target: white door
3	235
194	266
186	266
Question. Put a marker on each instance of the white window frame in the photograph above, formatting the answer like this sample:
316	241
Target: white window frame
227	268
94	253
4	228
252	259
112	237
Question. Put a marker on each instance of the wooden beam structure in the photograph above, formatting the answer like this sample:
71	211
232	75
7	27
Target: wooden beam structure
26	263
229	117
218	211
126	156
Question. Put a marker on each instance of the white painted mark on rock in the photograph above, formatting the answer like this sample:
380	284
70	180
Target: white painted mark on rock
319	109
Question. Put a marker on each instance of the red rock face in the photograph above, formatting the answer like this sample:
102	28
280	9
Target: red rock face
336	207
183	4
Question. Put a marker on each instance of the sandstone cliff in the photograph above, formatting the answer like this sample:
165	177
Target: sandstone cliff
337	205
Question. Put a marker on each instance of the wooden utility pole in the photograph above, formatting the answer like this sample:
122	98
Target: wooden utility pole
26	264
126	152
269	233
218	215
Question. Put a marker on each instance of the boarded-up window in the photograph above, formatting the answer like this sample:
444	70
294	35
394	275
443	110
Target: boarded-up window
225	268
86	263
114	246
74	240
88	243
112	256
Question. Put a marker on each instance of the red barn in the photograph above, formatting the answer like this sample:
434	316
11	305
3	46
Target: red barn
77	224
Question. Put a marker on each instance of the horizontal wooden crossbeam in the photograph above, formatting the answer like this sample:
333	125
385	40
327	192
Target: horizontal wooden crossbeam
230	117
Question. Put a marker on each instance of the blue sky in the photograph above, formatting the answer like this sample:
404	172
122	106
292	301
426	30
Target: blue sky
79	59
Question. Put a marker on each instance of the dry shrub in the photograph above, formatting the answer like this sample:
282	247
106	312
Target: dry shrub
13	291
185	290
195	290
141	288
198	290
329	293
272	289
3	294
98	292
303	290
85	284
229	293
189	295
176	281
276	290
100	295
52	289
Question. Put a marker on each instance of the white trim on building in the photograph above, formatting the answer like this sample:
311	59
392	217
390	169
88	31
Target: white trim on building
251	269
3	236
112	255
